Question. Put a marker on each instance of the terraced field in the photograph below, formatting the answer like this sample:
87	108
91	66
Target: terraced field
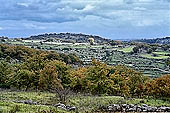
149	64
159	56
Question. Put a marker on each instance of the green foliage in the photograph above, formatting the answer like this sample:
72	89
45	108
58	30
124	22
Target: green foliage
128	81
15	109
168	63
21	53
102	79
159	87
22	79
41	70
83	103
96	80
5	70
49	78
63	71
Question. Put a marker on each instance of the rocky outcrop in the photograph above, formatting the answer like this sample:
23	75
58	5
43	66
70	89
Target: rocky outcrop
30	102
65	107
133	108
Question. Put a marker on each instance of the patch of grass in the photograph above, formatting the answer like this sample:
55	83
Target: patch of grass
20	43
11	107
40	97
126	50
152	57
83	103
92	103
161	52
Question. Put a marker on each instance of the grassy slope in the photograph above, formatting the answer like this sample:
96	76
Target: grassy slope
161	52
83	103
127	50
157	57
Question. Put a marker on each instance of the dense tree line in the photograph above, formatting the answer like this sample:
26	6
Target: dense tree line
149	48
21	53
144	47
39	70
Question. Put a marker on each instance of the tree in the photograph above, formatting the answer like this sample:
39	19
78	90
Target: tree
159	87
5	70
149	51
128	80
63	72
91	40
136	49
77	79
35	64
23	79
49	78
168	63
97	80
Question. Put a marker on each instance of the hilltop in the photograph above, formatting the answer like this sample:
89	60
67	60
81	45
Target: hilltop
165	40
68	37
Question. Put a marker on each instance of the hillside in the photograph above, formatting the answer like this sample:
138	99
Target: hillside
20	53
150	59
165	40
68	37
47	77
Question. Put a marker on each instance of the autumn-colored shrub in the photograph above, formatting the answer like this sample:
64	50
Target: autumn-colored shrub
100	78
159	87
49	78
44	70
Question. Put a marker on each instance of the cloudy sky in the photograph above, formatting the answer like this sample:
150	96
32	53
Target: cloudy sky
115	19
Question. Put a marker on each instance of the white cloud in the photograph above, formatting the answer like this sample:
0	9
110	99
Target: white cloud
33	26
146	0
1	28
88	8
144	23
140	8
23	4
67	10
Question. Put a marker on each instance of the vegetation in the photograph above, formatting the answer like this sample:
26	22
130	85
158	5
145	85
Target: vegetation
154	56
21	53
52	76
127	50
44	72
8	102
165	40
146	58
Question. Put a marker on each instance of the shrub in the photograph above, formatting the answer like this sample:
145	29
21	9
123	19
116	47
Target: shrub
159	87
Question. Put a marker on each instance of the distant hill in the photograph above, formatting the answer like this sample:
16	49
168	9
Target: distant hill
165	40
69	37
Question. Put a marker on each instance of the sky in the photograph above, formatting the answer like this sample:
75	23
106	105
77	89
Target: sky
114	19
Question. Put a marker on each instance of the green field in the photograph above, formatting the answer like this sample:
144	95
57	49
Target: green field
82	103
161	52
126	50
153	57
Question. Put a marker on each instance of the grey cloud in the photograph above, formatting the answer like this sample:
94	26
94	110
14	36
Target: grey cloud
68	10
